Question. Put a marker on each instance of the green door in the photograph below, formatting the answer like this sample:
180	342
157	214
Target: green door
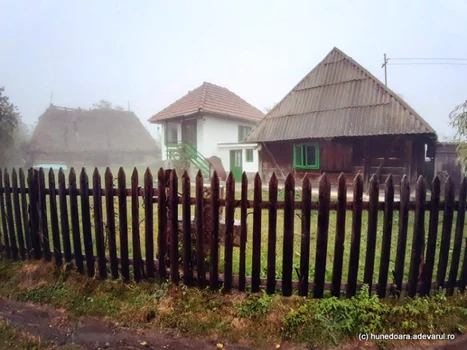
236	164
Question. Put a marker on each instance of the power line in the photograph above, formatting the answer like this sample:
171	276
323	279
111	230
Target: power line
429	59
423	63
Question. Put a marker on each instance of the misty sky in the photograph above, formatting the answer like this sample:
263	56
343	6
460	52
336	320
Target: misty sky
151	53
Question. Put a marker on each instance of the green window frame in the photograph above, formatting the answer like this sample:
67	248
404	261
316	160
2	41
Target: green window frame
243	132
306	156
249	155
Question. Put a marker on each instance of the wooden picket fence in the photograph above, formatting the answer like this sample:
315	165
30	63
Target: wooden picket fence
26	221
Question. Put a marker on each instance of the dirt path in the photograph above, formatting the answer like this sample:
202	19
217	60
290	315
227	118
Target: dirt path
57	327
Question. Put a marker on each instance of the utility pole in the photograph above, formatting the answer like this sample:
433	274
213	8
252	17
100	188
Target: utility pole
385	66
51	96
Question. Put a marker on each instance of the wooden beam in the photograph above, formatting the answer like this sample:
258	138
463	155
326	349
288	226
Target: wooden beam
408	160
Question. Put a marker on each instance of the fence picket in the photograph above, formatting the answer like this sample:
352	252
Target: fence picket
137	259
64	224
6	238
173	217
214	251
256	258
34	212
75	222
456	254
98	225
57	249
322	235
200	238
110	212
17	209
86	222
243	233
432	237
356	236
149	223
229	227
24	210
10	218
123	224
162	224
340	236
272	235
402	236
305	237
187	241
418	237
45	239
287	249
446	232
371	233
387	237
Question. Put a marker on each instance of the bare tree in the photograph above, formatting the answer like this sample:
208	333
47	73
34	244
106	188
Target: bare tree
458	120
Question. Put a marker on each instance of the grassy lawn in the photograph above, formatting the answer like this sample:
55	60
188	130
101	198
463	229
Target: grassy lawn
257	320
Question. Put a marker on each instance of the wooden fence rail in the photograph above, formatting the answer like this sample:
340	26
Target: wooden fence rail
89	229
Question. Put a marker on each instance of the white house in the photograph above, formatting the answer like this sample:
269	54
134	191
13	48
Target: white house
210	121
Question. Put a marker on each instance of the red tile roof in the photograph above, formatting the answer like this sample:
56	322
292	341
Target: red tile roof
209	98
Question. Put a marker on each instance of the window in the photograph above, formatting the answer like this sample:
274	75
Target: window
249	155
172	133
243	131
306	156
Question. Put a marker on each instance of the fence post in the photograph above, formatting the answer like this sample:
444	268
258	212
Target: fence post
387	234
16	207
432	236
322	236
256	258
418	241
371	233
187	241
149	223
200	241
214	251
86	222
33	183
45	239
243	233
137	261
340	236
110	212
173	217
54	219
402	238
123	223
98	225
272	230
356	236
229	226
287	249
10	218
456	254
24	209
75	222
305	237
446	233
65	227
4	220
162	223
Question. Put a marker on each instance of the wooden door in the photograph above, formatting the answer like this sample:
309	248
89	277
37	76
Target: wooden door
236	164
189	133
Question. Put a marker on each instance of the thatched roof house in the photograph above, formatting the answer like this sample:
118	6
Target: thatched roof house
341	118
95	137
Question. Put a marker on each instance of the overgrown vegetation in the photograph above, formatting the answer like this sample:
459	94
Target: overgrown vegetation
458	120
259	320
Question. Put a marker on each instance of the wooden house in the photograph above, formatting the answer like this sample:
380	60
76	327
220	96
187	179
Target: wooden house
341	118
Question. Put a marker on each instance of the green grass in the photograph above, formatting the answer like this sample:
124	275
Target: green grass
258	320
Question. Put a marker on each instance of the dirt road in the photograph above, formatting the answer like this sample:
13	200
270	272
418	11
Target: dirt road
57	327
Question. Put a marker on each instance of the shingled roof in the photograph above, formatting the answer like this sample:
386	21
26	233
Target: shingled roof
339	98
212	99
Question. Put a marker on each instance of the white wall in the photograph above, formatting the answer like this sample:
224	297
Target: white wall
249	167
